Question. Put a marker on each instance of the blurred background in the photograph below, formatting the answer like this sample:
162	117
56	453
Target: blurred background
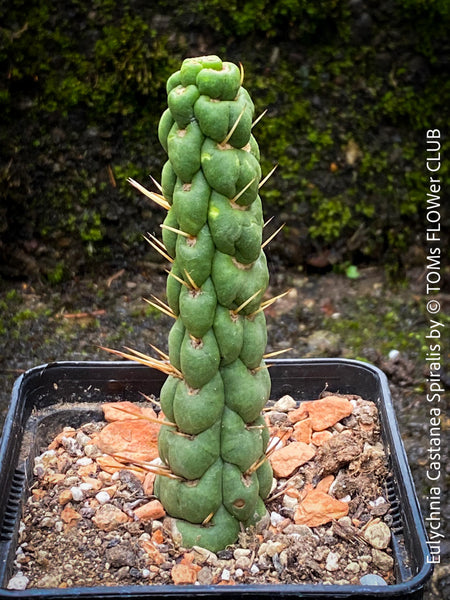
350	88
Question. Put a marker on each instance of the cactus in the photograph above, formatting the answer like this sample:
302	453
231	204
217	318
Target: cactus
213	233
213	443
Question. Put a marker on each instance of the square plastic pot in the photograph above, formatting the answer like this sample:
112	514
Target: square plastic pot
49	397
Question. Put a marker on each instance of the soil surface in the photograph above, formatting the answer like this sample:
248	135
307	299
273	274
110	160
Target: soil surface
90	521
325	314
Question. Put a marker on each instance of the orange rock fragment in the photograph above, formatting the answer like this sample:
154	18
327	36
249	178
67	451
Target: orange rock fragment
158	537
86	470
302	431
70	516
298	414
133	439
54	478
96	484
184	574
325	484
38	494
318	508
320	437
327	411
150	510
287	459
154	555
65	497
149	483
120	411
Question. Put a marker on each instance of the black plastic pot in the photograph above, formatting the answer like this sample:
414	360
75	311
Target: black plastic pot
47	398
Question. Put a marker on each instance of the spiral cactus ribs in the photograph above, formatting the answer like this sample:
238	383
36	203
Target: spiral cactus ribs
213	441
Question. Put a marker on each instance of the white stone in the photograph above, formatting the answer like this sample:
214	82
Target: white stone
77	494
275	518
254	569
85	487
332	562
285	404
393	354
102	497
84	461
372	579
239	572
290	502
226	575
18	582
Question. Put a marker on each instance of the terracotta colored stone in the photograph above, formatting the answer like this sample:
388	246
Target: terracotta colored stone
154	555
318	508
302	431
65	497
325	484
108	464
95	483
298	414
320	437
134	439
70	516
54	478
149	483
38	494
86	470
326	412
184	574
158	537
120	411
287	459
108	517
149	511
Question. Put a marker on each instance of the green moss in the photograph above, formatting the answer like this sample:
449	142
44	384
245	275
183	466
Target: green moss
85	87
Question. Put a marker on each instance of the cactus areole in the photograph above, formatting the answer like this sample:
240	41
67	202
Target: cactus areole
215	454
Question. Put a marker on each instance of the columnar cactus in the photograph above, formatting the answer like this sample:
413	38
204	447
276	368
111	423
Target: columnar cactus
213	232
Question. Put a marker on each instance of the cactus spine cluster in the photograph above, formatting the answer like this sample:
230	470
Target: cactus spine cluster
213	233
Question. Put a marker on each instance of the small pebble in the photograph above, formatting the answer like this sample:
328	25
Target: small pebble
82	438
85	487
289	501
378	535
239	572
18	582
285	404
382	560
254	569
240	552
332	562
372	579
243	562
226	575
102	497
275	518
393	354
77	494
84	461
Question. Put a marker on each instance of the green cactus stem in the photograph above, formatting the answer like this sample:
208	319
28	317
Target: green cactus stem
213	237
